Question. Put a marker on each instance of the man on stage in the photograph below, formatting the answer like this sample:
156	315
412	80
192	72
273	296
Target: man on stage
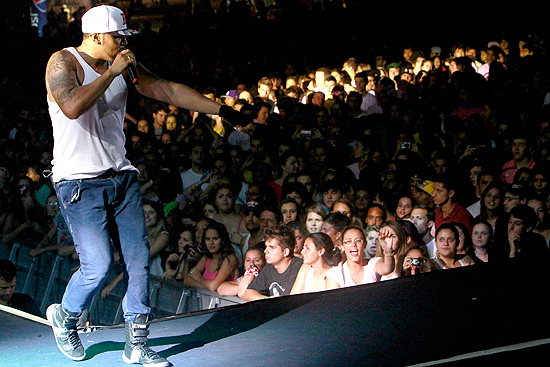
96	185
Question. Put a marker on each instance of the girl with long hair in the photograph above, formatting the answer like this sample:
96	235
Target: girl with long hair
319	255
219	262
356	270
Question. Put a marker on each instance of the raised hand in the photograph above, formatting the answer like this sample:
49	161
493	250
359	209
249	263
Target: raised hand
388	241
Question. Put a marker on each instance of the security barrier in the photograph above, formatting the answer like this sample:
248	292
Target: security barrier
45	277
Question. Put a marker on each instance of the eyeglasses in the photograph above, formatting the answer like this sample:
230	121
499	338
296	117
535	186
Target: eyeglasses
358	241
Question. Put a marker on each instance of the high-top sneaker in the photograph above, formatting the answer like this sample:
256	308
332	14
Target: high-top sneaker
64	330
136	349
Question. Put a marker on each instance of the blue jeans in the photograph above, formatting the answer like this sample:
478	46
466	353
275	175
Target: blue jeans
102	213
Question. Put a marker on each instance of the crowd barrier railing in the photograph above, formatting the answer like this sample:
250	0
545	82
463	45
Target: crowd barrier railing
46	276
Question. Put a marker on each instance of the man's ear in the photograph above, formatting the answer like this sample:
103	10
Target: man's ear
452	193
286	252
96	38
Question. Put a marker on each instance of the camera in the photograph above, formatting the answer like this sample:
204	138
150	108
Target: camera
305	133
415	261
187	249
406	145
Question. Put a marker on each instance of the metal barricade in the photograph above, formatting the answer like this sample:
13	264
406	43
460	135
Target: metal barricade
168	297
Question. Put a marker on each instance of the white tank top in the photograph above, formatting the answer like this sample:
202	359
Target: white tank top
94	142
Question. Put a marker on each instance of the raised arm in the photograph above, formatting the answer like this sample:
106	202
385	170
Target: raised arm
389	243
64	86
177	94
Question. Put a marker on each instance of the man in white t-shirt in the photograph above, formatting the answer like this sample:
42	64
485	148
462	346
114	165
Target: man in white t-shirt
198	170
423	218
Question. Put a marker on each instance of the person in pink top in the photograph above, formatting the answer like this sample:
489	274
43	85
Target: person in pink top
219	262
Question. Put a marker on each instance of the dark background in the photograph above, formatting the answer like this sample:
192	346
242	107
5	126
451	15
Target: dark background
227	49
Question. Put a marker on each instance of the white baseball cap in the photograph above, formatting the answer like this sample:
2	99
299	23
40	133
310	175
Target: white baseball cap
106	19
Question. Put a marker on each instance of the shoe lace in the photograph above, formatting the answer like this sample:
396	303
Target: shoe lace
73	339
148	352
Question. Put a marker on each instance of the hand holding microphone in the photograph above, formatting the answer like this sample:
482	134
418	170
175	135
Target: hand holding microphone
131	69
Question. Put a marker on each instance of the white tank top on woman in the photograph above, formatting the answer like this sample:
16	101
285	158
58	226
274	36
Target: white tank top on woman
342	275
94	142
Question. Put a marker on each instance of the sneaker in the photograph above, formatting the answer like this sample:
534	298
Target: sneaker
136	349
140	353
64	330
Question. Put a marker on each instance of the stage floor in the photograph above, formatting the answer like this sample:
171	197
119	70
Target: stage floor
455	317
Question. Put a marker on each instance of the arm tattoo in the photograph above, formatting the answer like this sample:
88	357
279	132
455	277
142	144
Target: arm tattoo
61	77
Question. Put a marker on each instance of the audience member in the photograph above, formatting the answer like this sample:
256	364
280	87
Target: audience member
254	261
330	139
518	240
314	216
448	210
446	240
355	270
482	237
218	263
8	296
279	274
319	255
188	254
372	233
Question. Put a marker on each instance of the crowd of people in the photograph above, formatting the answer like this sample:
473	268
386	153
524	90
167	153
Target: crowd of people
347	174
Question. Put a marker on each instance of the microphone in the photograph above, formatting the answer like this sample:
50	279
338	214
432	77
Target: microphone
133	73
131	69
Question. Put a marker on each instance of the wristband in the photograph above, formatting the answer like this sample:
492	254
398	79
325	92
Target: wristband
234	117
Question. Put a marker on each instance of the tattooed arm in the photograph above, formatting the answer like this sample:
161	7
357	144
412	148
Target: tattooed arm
64	87
177	94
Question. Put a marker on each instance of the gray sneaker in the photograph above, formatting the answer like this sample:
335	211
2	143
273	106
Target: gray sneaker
64	330
136	349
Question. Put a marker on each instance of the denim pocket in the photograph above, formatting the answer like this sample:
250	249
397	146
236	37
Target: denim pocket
68	192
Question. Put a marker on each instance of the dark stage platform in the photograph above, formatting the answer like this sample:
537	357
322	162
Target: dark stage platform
482	314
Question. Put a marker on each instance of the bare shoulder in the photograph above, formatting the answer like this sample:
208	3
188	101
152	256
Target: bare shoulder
61	71
60	62
304	268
